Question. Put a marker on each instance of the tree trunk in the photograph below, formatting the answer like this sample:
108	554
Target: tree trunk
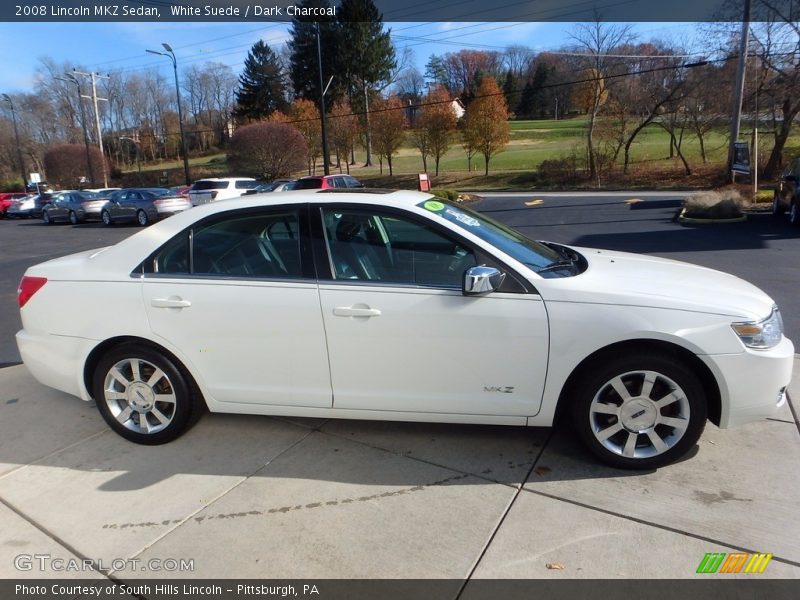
437	165
389	161
367	133
486	170
702	147
424	163
781	135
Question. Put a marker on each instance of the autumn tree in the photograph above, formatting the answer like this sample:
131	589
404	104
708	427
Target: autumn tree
304	115
267	150
343	132
486	122
439	120
66	165
388	128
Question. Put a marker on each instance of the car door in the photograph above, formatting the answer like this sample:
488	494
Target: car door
237	295
57	209
402	336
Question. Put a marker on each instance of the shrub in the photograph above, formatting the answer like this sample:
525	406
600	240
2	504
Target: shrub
267	150
723	204
446	193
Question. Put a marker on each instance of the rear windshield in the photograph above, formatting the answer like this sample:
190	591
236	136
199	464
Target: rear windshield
314	183
209	185
246	185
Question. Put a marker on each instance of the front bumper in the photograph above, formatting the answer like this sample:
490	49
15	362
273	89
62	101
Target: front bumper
56	360
752	383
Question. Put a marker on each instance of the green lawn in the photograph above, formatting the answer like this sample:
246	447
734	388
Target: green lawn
531	143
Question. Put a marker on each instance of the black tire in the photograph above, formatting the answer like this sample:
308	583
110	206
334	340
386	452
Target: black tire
73	218
46	218
596	383
182	413
105	217
777	211
794	213
141	218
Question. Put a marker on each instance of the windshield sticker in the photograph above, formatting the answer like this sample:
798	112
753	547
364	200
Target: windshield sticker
433	205
465	219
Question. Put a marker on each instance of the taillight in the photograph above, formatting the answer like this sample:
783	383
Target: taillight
28	286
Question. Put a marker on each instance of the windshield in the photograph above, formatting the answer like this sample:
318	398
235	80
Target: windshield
546	260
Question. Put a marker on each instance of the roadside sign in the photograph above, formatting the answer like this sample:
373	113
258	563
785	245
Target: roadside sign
35	178
424	183
741	158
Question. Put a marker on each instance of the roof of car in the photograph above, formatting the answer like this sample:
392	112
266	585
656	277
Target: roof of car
226	179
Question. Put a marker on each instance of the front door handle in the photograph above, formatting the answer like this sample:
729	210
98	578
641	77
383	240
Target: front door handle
169	303
356	311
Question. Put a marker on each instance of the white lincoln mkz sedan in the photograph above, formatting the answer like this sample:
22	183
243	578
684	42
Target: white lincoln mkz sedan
400	306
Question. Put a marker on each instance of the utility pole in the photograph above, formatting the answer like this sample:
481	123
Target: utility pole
95	99
322	89
69	78
736	112
7	98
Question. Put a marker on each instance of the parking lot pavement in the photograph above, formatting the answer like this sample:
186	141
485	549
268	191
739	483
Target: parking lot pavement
266	497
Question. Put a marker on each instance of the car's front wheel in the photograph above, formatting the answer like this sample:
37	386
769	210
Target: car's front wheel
794	213
777	211
46	218
105	217
640	412
142	218
143	395
73	218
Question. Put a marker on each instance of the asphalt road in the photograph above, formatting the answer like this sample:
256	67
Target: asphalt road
761	250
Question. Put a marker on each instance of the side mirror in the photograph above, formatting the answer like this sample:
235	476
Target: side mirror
481	280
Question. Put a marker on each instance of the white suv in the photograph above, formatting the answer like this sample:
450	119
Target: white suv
212	189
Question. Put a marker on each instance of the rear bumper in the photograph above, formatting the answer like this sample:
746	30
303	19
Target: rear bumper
56	360
753	383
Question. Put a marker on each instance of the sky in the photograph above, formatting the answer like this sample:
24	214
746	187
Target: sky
105	46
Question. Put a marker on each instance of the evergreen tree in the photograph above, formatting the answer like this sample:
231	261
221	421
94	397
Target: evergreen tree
262	90
366	53
304	57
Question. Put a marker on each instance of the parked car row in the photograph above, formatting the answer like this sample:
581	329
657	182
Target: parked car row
144	205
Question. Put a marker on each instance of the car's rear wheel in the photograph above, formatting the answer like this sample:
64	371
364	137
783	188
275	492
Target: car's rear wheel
640	412
73	218
46	218
142	218
105	217
143	395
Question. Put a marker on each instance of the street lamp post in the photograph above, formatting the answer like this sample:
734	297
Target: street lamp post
72	79
171	55
7	98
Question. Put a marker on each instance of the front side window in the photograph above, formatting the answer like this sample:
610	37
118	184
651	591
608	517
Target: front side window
246	184
242	246
371	246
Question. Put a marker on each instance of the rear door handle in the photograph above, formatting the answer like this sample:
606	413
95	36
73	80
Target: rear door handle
169	303
353	311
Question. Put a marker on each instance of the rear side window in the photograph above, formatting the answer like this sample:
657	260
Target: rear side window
313	183
201	185
265	246
246	185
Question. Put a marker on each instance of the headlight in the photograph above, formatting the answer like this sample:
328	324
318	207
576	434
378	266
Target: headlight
761	334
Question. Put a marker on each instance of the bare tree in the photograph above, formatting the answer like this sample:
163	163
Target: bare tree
267	150
597	39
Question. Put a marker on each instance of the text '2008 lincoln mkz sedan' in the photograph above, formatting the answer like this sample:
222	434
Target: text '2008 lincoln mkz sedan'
400	306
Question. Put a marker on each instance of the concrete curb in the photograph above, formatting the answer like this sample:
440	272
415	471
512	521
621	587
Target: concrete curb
693	221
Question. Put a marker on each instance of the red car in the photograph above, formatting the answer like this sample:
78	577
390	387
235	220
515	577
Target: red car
6	198
327	182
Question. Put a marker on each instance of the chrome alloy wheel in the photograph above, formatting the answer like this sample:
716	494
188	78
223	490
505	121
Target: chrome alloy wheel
139	395
639	414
